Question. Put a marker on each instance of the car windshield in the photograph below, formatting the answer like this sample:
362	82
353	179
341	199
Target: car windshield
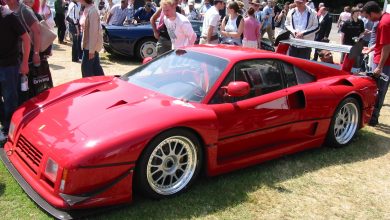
182	74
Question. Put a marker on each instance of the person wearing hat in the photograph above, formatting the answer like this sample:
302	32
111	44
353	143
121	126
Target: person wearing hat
210	23
302	22
193	14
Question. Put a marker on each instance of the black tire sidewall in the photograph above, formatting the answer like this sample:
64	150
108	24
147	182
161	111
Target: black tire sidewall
141	181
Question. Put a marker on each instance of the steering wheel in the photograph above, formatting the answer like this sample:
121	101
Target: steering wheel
199	93
199	75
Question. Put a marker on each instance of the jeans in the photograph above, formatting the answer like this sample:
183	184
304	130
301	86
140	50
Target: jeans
163	45
76	46
382	90
91	67
9	89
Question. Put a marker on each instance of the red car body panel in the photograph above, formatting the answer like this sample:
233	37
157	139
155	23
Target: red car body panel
97	128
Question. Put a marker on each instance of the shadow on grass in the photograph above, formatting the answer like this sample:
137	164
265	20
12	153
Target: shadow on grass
2	188
210	195
384	128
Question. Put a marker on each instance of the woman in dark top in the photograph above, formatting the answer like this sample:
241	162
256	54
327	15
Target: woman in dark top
351	29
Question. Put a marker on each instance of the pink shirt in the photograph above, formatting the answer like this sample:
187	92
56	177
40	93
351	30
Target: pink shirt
251	28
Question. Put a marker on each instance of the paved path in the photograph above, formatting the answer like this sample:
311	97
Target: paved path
64	70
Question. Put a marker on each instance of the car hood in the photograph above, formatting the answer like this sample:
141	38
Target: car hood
103	115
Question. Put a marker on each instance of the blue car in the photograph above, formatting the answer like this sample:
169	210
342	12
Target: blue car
135	40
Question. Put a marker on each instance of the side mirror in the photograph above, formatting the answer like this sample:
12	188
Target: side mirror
238	89
147	60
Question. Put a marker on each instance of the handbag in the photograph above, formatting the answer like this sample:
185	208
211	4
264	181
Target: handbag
47	36
39	79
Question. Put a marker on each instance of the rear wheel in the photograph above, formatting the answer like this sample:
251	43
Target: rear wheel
146	48
169	164
345	123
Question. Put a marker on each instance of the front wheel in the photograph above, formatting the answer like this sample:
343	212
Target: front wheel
345	123
169	164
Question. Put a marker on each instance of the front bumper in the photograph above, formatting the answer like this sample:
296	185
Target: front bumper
56	212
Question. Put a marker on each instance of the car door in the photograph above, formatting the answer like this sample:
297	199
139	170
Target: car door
259	121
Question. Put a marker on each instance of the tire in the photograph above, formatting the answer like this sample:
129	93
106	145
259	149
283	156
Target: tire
345	123
169	164
146	48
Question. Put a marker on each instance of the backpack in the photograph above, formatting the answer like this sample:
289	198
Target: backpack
238	20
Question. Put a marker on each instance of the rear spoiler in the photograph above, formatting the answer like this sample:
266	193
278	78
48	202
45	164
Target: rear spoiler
284	41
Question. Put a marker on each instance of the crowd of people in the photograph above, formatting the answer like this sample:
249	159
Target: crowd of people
235	22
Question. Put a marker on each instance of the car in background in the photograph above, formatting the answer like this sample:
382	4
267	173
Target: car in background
135	39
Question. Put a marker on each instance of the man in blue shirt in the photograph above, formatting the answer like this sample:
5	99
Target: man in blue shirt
143	14
266	18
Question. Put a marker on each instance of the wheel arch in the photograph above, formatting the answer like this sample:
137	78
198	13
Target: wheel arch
361	105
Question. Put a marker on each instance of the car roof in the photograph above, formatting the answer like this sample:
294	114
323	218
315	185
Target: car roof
236	53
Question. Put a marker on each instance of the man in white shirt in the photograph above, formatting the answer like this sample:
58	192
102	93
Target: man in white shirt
118	13
210	23
302	21
179	27
74	29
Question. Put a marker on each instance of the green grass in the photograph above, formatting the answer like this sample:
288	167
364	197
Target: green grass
324	183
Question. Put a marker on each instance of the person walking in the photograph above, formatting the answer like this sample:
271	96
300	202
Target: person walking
74	29
252	29
92	41
232	25
59	6
210	23
373	12
266	19
179	27
302	22
10	66
325	24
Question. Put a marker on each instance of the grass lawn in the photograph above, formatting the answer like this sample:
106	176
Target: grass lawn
324	183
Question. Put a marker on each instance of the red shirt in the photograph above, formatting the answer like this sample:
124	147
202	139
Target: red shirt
382	38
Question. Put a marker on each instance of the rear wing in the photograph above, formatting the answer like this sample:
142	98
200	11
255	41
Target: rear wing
284	41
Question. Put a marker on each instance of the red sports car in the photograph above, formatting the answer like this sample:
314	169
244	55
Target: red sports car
94	141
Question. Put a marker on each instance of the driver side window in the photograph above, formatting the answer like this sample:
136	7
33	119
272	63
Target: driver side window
263	77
